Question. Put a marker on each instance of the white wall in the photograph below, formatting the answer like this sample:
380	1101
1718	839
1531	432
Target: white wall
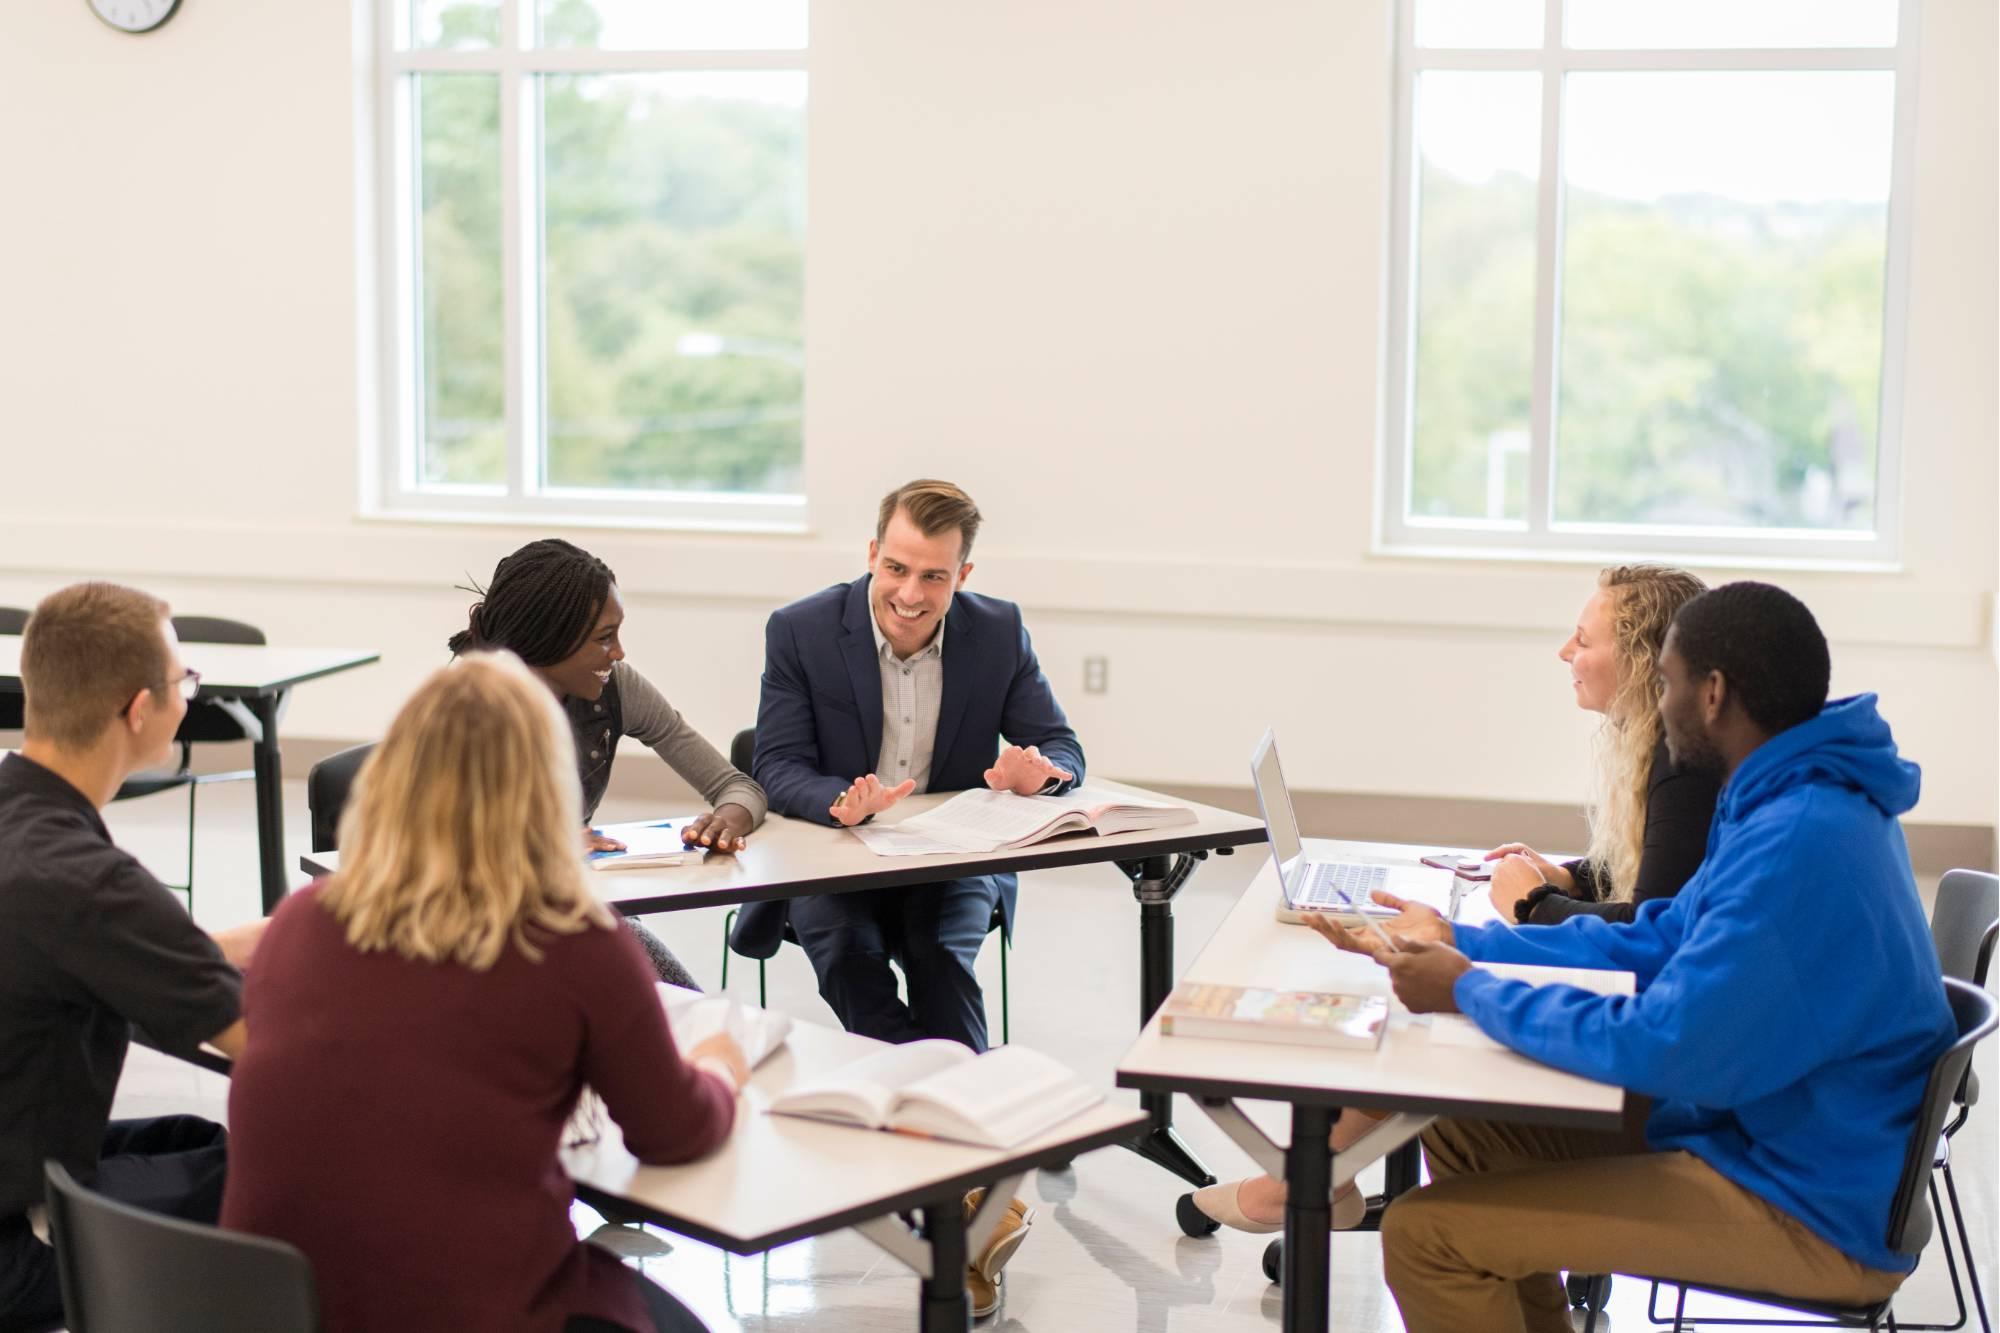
1117	267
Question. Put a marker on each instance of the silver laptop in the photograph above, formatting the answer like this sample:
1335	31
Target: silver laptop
1338	887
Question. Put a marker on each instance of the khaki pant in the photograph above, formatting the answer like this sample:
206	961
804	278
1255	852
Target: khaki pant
1509	1205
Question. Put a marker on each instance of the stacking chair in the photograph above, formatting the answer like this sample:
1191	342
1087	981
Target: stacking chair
1910	1226
125	1270
1964	925
327	786
12	621
741	752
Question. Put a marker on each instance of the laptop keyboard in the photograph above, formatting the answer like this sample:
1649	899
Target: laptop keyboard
1342	882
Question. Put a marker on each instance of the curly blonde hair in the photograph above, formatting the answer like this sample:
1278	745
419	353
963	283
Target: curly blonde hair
462	835
1643	600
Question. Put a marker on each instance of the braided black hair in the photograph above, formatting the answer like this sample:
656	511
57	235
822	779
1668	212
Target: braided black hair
1767	646
541	604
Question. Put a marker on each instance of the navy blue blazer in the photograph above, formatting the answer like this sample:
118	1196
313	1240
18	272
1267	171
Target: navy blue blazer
819	718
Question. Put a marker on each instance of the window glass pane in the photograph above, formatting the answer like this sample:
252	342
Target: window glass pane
1478	158
675	252
461	428
437	25
1724	248
1490	23
1650	24
675	25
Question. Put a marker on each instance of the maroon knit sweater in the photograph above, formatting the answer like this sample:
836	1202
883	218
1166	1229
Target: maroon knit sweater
399	1122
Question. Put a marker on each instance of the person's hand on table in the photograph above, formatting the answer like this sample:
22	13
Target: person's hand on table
723	829
1024	772
1514	879
1413	921
867	796
721	1056
238	943
593	841
1421	972
1547	869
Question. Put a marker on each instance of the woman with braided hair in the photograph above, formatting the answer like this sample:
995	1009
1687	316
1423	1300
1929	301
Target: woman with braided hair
555	606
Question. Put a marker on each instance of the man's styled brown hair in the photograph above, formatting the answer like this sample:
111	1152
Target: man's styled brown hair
933	506
87	650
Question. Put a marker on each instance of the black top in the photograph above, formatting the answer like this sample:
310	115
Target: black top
90	943
1679	806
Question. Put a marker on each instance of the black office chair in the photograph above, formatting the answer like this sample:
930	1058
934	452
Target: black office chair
327	786
742	750
1910	1225
125	1270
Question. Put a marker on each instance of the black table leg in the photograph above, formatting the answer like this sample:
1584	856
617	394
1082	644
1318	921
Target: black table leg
270	801
1155	881
943	1305
1308	1264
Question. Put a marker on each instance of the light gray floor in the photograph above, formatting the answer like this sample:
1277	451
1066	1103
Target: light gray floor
1105	1253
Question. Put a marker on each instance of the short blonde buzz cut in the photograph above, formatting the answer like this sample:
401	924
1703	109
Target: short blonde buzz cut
933	506
86	651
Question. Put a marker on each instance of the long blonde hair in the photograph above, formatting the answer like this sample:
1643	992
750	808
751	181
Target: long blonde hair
463	832
1643	600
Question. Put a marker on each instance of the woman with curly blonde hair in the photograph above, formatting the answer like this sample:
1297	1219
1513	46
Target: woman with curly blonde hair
1648	820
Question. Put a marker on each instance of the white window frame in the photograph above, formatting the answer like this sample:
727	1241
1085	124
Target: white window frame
1540	536
397	484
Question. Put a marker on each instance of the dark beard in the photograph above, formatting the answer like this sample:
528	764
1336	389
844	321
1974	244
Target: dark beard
1697	754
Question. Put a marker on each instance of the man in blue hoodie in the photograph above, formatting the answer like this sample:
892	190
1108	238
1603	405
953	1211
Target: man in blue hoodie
1787	1012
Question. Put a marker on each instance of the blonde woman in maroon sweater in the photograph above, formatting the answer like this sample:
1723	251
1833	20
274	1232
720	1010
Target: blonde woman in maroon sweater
426	1019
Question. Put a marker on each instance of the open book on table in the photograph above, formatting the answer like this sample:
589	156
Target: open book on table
1458	1030
649	844
989	821
693	1017
940	1089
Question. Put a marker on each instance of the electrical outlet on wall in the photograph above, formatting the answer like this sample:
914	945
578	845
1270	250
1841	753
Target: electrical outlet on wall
1096	675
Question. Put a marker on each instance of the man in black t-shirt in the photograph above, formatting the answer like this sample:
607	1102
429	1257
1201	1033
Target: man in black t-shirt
90	943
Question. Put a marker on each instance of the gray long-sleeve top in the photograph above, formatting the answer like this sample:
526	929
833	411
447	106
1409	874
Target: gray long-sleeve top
631	706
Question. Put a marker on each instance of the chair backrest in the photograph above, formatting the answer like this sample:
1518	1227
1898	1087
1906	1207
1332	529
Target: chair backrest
1962	923
1972	1010
217	629
743	749
12	621
327	785
125	1270
206	723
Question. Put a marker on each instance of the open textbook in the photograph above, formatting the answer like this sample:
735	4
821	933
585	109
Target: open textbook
693	1018
987	821
940	1089
649	844
1458	1030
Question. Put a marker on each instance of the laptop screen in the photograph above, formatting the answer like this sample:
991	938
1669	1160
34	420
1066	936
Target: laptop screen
1276	803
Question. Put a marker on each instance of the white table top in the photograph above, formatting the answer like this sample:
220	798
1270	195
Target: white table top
785	855
1252	947
782	1178
229	669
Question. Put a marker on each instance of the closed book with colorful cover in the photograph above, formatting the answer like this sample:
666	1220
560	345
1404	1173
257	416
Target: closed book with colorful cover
1249	1013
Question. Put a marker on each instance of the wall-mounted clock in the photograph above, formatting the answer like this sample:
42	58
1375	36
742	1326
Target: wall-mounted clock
134	15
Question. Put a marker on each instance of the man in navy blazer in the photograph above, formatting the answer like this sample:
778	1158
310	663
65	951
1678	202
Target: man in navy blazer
894	683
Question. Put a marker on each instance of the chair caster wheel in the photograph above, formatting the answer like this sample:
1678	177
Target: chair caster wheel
1194	1222
1274	1261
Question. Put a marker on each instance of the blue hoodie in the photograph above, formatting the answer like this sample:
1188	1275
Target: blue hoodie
1789	1003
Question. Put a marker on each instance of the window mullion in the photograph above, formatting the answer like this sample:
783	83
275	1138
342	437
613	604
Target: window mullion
1548	260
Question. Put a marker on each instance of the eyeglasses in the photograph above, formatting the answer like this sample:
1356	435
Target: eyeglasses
187	684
